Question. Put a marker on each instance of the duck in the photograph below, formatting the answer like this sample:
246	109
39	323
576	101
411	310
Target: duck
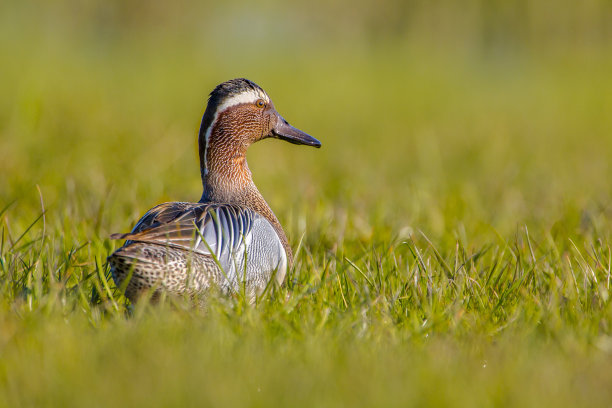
230	239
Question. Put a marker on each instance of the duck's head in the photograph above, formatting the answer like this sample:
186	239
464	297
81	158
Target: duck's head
240	113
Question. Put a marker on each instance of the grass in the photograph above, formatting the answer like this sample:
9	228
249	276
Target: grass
454	231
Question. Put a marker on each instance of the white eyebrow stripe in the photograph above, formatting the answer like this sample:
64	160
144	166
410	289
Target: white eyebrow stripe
250	96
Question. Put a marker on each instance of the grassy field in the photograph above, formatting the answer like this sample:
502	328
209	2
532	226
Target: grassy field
453	234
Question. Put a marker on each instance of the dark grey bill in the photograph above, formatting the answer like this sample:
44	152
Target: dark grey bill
285	131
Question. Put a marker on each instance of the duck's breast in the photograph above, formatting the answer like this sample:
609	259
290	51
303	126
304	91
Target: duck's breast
262	253
247	247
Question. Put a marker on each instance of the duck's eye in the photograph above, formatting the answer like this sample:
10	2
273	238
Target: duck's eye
260	103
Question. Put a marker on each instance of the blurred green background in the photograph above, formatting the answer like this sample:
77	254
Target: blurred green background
488	107
481	123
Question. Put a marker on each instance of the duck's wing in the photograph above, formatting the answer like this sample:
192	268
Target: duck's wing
162	214
208	229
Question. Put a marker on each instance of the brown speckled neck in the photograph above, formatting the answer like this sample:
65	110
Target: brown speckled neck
226	177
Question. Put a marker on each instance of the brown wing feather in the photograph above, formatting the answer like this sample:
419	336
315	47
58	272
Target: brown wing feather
170	223
194	227
163	214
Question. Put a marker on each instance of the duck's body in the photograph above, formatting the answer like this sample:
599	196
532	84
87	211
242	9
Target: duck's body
231	239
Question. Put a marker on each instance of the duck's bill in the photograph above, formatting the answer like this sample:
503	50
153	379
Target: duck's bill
285	131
